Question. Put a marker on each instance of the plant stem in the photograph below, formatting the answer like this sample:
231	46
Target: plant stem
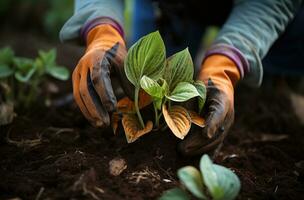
156	115
169	105
137	108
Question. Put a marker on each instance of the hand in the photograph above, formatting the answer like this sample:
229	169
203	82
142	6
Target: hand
92	86
220	74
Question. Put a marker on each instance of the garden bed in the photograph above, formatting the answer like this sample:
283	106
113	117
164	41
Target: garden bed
53	153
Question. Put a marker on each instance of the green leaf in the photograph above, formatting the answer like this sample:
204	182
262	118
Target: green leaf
201	88
24	78
58	72
193	181
6	55
221	182
151	87
175	194
5	71
165	86
179	68
229	182
25	69
146	57
183	92
23	64
48	57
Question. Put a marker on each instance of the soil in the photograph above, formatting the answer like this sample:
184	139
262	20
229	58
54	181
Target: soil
53	153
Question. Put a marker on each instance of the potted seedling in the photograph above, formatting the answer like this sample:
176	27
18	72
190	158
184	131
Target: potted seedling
21	79
162	82
211	182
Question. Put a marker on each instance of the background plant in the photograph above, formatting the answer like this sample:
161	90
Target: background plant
211	182
21	78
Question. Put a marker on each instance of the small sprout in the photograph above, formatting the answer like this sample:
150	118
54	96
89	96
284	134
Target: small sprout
213	180
178	120
133	128
25	76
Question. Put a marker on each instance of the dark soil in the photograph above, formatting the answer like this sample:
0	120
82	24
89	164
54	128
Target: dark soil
58	155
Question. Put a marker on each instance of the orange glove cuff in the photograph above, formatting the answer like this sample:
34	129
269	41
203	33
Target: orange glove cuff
103	37
222	71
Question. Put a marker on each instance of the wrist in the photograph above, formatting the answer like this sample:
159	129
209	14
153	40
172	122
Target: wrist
104	37
87	27
221	71
233	54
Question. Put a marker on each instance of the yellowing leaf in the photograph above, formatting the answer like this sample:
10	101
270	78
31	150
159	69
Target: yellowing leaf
133	128
197	119
178	120
126	105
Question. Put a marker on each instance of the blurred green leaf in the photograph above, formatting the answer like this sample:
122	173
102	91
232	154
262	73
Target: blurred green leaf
58	13
58	72
221	182
23	64
48	57
193	180
6	55
5	71
175	194
25	69
24	78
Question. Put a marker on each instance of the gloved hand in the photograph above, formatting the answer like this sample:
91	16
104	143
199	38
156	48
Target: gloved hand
220	75
92	86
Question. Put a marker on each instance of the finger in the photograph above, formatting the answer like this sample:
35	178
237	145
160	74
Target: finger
77	96
102	83
196	144
118	53
217	109
97	112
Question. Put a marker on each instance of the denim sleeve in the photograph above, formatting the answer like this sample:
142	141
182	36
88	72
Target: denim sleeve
253	27
88	10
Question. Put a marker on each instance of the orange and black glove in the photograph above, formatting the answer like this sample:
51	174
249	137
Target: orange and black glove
220	74
92	85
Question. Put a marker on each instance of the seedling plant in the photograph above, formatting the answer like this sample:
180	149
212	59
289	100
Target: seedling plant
21	78
167	82
211	182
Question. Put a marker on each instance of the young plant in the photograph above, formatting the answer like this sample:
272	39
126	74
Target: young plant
22	77
177	86
165	80
212	182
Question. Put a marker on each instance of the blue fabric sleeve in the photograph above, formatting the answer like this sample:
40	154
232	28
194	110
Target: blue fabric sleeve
253	26
87	10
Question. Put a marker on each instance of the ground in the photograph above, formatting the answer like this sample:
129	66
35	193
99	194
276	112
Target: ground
58	155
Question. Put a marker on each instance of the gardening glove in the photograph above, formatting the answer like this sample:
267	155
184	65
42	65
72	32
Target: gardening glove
220	74
92	85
